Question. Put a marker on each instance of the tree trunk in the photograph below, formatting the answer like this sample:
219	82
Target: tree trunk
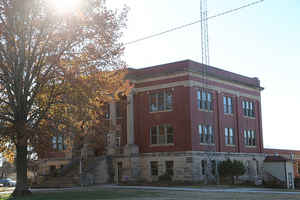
21	166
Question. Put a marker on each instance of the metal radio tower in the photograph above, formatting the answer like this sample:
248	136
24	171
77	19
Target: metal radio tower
204	32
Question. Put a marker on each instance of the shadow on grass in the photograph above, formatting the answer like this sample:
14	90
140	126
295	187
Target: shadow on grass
87	195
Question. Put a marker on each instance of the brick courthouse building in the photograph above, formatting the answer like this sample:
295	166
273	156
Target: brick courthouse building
182	118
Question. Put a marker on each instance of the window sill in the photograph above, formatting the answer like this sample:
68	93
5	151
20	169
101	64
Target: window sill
204	110
249	117
161	111
251	147
207	144
229	145
161	145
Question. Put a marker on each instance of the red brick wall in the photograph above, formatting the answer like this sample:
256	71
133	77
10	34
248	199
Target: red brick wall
178	118
185	118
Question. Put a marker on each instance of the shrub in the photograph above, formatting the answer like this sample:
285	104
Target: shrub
165	178
231	169
297	182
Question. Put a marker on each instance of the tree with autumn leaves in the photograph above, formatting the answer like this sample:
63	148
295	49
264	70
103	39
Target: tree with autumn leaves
55	71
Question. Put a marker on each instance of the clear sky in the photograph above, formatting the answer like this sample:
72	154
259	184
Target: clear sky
261	41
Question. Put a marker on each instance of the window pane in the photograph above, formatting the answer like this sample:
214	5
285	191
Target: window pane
205	134
209	101
199	99
249	138
118	139
54	142
170	168
229	100
230	105
169	101
203	101
211	135
225	104
203	166
209	96
245	137
170	134
226	131
106	111
253	138
60	147
153	103
198	95
60	139
231	136
162	134
213	167
200	131
160	101
226	135
224	100
203	96
153	135
154	168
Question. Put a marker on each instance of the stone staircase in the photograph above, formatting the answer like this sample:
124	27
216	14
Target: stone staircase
272	181
97	171
68	176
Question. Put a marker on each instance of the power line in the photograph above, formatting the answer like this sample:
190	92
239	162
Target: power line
192	23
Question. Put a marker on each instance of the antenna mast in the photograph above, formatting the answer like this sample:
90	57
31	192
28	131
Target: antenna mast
204	32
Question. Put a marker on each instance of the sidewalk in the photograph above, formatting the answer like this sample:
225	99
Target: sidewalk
234	190
210	189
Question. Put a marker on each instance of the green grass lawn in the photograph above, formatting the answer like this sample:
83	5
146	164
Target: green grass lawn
132	194
88	195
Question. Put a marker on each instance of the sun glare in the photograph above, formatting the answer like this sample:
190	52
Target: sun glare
65	6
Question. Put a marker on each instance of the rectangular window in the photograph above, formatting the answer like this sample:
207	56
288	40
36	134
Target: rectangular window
248	108
204	100
153	132
203	166
153	103
106	111
154	168
229	136
170	138
249	137
206	134
118	110
213	167
162	134
118	139
58	142
161	101
228	108
169	100
170	168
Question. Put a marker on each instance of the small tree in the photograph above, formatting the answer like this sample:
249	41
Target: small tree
231	169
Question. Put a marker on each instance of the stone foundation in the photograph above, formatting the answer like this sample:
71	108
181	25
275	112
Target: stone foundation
187	166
